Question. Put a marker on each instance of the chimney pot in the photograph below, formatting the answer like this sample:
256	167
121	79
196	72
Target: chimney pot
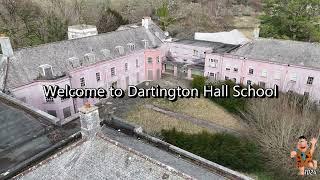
146	21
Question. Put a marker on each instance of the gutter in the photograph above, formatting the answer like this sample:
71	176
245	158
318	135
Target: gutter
133	130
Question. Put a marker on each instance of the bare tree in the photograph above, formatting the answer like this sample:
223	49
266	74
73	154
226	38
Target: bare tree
276	125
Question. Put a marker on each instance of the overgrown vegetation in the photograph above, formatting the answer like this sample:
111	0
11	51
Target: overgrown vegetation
110	20
29	22
225	149
165	18
275	126
32	22
292	19
232	104
198	82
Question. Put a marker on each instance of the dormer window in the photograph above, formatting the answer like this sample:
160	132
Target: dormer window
89	57
131	46
119	50
195	52
105	52
146	43
46	71
74	62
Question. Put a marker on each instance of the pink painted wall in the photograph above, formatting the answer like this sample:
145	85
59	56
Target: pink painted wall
183	52
153	69
35	96
287	77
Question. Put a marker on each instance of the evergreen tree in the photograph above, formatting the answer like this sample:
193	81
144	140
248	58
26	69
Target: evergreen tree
110	20
291	19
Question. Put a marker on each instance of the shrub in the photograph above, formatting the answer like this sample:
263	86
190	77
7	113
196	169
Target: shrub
225	149
231	104
198	82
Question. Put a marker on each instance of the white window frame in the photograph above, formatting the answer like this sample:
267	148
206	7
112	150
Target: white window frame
264	73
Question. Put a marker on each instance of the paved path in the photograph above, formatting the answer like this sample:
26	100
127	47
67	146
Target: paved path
199	122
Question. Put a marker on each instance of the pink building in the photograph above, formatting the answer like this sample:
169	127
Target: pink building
186	58
140	52
293	66
120	58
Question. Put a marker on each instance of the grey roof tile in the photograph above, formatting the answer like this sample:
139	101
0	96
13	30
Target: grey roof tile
100	159
24	66
282	51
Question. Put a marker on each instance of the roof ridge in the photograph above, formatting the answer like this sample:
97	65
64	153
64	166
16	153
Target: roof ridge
286	40
78	39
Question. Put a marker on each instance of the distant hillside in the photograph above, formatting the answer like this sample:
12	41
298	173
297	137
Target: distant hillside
32	22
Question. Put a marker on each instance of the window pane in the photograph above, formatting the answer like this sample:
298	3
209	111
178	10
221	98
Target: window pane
66	112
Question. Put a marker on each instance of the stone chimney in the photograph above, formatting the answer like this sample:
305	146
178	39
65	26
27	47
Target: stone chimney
81	30
90	121
6	47
146	21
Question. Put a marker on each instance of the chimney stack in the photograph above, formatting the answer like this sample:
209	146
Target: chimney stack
90	121
146	22
6	47
81	31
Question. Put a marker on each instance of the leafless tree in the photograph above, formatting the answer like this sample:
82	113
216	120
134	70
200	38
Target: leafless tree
276	125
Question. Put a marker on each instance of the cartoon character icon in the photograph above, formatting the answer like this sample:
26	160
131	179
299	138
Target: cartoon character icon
304	154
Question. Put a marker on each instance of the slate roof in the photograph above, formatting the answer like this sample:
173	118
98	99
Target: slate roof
114	155
216	46
22	133
24	66
282	51
18	124
100	159
153	28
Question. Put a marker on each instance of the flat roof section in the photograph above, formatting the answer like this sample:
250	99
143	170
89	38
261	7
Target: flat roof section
216	46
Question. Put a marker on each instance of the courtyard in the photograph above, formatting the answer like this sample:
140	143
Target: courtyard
191	115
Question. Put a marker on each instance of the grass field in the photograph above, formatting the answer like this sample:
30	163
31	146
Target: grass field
154	122
201	108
